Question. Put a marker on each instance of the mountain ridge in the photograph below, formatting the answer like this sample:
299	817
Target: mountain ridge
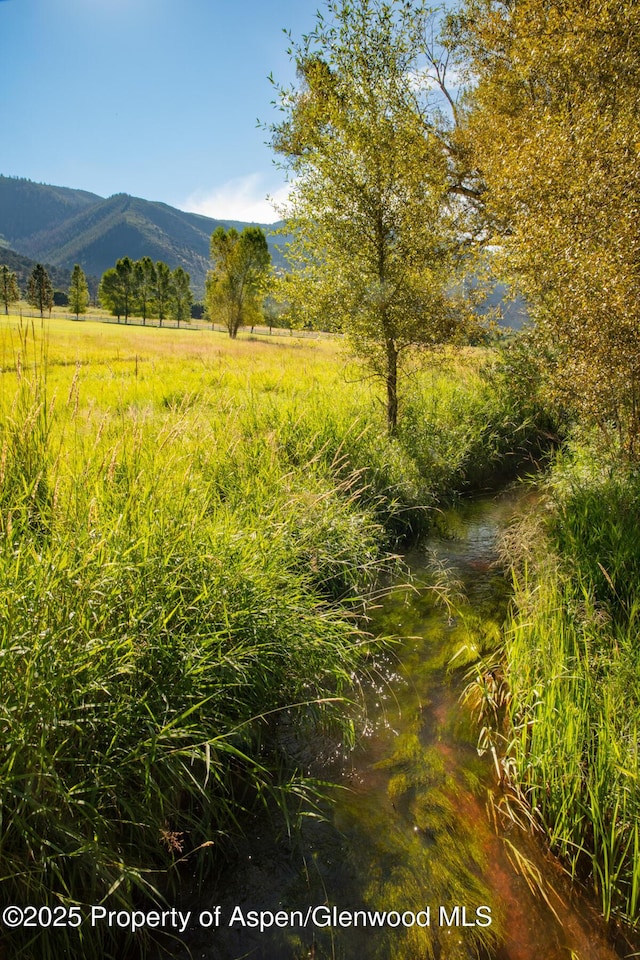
63	226
22	266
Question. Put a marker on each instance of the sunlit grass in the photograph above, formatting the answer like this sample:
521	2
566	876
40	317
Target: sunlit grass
573	672
190	529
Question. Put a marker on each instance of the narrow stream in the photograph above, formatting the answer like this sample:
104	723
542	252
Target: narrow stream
409	833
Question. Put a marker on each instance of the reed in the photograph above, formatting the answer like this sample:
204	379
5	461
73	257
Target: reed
573	663
190	532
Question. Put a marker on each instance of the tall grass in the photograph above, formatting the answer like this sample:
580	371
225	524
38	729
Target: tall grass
467	426
573	659
189	533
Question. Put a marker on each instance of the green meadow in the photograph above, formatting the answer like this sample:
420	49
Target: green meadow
191	532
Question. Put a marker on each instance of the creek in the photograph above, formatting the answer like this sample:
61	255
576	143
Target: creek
409	831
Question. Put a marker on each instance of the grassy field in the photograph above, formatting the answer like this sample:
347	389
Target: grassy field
98	313
191	530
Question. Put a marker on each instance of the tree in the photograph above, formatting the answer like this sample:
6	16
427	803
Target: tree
117	288
236	284
163	289
78	291
181	297
9	291
110	293
145	281
126	276
554	123
40	290
371	210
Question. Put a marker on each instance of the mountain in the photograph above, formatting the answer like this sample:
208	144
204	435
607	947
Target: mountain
22	267
27	208
513	311
59	226
62	226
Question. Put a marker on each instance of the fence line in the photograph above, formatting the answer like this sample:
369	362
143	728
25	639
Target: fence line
262	331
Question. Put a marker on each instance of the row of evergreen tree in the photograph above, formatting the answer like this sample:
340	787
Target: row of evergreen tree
146	289
39	292
133	287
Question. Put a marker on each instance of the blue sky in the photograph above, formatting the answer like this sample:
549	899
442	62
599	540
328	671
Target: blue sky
155	98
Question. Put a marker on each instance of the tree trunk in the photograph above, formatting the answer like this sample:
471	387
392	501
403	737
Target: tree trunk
235	323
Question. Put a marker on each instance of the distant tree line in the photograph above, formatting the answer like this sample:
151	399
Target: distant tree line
236	294
237	287
139	288
39	291
146	289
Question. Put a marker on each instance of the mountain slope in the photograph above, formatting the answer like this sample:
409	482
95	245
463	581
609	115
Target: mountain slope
27	208
22	267
124	226
61	226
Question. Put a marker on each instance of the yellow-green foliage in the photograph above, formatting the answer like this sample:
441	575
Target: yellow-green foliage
553	129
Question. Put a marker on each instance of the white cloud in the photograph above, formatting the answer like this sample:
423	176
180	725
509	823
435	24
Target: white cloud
424	78
420	79
243	198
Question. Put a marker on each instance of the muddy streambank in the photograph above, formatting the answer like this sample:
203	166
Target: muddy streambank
406	862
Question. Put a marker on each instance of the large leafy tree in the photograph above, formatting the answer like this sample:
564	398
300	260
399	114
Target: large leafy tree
78	291
554	124
236	284
40	289
371	211
9	291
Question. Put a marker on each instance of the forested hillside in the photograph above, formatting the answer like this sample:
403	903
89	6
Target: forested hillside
22	267
61	226
27	208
